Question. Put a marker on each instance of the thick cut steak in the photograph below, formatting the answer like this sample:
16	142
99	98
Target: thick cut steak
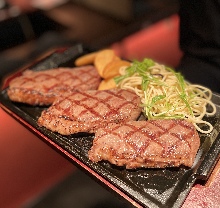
137	144
86	111
43	87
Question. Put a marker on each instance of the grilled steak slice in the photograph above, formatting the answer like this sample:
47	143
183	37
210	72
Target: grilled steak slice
86	111
156	143
42	87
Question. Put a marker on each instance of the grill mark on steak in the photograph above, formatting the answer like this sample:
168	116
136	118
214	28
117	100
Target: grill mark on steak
184	124
103	101
132	145
86	111
43	87
91	108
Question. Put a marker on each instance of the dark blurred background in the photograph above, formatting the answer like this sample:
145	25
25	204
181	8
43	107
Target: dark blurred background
27	32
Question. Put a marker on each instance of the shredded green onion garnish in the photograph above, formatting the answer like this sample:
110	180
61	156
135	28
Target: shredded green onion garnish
164	92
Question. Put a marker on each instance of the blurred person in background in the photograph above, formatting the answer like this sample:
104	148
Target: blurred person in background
200	42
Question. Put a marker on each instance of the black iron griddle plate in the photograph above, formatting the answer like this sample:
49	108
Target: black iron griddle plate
144	187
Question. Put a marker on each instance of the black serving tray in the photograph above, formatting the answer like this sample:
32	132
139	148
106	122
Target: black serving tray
143	187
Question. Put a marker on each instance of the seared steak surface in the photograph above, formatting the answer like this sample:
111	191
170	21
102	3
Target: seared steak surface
43	87
86	111
156	143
